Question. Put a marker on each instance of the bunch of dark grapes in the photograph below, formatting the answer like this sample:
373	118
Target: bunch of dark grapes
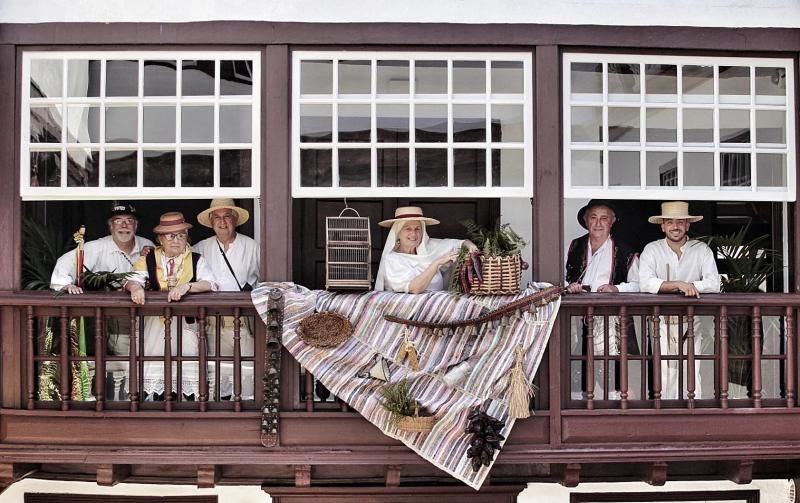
486	437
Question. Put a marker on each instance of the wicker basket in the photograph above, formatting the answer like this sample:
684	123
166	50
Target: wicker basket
416	424
501	275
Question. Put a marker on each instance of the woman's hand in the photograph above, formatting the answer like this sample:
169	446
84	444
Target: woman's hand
137	293
446	259
470	246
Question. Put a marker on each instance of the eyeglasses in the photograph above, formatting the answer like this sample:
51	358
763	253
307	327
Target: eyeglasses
172	236
120	221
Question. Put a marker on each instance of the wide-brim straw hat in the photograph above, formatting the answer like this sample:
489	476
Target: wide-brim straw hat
172	221
675	210
407	214
204	217
592	204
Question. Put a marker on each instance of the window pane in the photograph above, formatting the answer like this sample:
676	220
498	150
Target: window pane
392	77
235	124
771	126
316	77
587	168
507	77
623	78
45	169
121	124
735	169
508	167
469	77
122	78
83	78
770	81
393	167
698	83
160	78
197	124
392	123
661	79
83	124
662	169
197	168
698	169
159	124
662	125
354	123
159	168
197	78
586	124
120	168
315	168
354	167
586	78
316	123
236	78
354	77
235	168
430	123
623	169
734	84
734	126
771	170
623	124
431	167
46	124
469	123
431	77
46	78
698	125
83	167
507	123
469	167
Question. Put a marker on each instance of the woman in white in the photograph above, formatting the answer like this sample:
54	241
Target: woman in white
172	268
413	262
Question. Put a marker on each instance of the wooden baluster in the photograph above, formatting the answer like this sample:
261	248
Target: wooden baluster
589	377
99	361
63	356
756	356
656	343
723	356
605	357
309	392
237	359
202	371
31	371
623	356
790	361
690	362
133	362
168	359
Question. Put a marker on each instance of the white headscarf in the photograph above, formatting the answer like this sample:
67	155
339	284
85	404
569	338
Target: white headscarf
391	244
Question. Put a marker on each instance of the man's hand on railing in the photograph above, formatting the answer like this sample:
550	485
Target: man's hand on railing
72	289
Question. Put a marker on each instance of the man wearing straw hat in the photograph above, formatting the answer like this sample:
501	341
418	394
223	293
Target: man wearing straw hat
686	266
234	259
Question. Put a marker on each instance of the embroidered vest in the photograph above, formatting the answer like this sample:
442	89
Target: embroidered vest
576	260
152	283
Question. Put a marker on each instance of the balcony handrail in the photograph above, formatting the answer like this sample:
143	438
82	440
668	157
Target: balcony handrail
678	300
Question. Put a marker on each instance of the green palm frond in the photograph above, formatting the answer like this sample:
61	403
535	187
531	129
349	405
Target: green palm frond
104	280
499	241
41	247
748	262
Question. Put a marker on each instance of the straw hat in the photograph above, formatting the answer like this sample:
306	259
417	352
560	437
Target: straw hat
406	214
676	210
171	222
204	217
592	204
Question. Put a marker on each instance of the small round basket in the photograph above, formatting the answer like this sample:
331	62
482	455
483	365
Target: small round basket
416	424
324	330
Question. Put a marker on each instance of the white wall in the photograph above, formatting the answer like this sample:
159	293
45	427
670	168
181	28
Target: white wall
731	13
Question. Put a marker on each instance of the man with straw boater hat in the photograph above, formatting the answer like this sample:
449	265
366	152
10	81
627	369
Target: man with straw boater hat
678	264
234	259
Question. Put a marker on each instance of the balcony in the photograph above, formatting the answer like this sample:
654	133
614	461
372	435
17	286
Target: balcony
583	428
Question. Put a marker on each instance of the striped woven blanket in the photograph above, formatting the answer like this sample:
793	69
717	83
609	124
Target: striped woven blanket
490	353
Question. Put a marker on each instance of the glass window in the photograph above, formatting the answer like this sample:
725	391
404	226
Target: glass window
132	119
411	124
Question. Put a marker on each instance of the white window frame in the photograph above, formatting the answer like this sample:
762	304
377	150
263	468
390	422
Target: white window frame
525	99
717	192
64	192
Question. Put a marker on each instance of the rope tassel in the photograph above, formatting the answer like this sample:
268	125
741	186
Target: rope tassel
408	349
520	390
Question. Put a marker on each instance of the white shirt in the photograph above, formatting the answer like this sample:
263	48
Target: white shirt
658	263
243	255
598	268
400	269
98	255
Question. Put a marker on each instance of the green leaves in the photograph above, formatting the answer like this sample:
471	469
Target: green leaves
104	280
397	399
499	241
748	263
40	250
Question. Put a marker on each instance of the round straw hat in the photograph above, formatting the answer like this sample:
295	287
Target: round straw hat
171	222
204	217
675	210
408	213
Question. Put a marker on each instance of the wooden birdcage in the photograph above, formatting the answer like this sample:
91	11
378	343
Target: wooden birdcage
347	252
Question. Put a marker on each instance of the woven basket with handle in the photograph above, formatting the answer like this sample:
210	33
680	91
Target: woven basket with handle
501	275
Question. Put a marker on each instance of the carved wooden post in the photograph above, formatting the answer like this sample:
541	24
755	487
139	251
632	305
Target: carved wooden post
690	363
656	343
623	356
588	379
31	360
270	426
237	359
756	356
133	361
99	361
723	355
790	361
168	359
66	389
202	352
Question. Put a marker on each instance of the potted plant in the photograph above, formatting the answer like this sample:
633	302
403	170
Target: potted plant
404	410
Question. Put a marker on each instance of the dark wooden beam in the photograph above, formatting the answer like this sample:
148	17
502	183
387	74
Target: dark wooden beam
110	474
658	474
405	494
302	475
571	475
740	471
393	475
207	476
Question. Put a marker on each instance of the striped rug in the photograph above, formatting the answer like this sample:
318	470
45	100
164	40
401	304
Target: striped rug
491	353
